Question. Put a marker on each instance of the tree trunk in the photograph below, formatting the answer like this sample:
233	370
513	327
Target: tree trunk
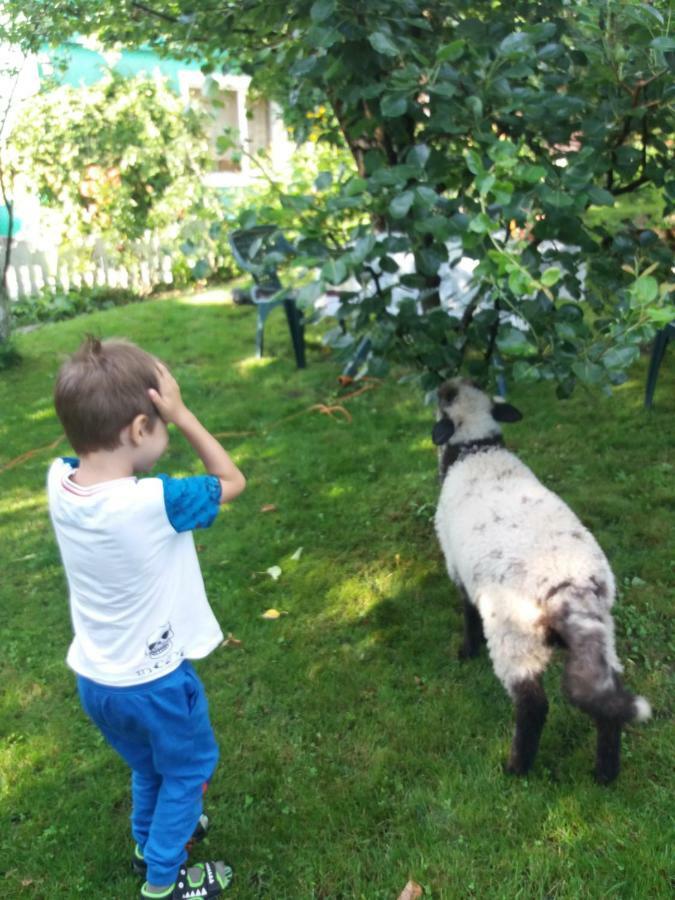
5	299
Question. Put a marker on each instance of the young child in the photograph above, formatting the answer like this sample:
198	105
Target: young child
137	599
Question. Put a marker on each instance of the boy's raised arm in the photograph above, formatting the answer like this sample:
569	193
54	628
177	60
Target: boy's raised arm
171	408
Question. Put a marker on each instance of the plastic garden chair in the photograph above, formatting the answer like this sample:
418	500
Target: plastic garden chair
658	352
257	250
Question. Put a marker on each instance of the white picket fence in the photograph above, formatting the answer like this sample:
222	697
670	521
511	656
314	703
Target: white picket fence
35	268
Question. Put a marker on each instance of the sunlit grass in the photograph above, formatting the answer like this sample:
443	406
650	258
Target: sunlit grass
357	752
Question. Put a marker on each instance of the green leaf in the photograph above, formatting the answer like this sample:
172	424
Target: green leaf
515	44
322	9
309	293
419	155
334	272
521	283
514	342
475	104
201	269
600	197
551	276
452	51
355	186
482	224
443	89
621	357
484	183
323	180
525	373
663	43
645	289
400	205
662	316
392	106
426	196
566	332
473	162
382	44
588	372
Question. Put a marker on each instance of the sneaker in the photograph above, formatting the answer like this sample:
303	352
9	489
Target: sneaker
138	863
203	880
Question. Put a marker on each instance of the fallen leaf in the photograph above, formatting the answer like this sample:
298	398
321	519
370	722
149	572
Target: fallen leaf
411	891
271	614
231	642
274	572
298	553
268	507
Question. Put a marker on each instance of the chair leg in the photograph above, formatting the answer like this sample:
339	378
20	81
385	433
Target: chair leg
297	329
658	352
263	312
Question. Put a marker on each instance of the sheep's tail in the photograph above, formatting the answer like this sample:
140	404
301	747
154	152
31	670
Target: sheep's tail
592	676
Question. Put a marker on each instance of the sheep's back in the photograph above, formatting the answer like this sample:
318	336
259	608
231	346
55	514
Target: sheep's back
498	525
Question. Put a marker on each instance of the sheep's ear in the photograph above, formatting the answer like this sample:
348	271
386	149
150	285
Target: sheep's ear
442	431
504	412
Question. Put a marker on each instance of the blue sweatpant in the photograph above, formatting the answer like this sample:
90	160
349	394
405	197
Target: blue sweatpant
162	731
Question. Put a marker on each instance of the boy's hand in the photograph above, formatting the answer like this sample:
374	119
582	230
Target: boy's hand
167	400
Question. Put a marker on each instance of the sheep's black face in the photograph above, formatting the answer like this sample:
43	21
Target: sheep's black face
443	430
467	414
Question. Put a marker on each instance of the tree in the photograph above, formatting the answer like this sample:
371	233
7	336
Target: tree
510	129
10	73
115	159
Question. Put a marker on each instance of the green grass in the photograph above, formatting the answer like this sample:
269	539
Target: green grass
357	752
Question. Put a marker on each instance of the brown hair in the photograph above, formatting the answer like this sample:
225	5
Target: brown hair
101	389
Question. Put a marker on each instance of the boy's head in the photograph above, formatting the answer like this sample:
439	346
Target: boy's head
101	389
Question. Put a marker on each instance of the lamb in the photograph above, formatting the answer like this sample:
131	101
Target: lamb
531	577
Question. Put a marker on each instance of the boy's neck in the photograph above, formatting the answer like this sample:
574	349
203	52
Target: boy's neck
103	465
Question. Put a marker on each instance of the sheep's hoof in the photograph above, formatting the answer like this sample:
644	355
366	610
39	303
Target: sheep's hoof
468	651
512	767
605	777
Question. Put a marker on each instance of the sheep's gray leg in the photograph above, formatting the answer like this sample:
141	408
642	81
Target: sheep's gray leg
473	629
594	687
531	709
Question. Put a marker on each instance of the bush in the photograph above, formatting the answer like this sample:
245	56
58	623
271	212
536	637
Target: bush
49	306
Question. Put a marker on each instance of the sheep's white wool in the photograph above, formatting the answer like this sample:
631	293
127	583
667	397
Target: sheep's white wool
509	542
472	416
535	575
643	710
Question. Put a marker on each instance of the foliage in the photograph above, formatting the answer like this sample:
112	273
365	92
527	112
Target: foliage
118	157
9	354
300	201
495	128
349	730
49	306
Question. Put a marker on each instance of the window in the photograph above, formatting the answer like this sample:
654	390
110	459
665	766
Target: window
259	126
222	108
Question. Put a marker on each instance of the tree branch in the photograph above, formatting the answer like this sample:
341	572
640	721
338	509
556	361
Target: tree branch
153	12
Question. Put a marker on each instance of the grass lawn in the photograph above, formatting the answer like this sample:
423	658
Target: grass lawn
357	751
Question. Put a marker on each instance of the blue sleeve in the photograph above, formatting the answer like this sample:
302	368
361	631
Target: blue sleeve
191	502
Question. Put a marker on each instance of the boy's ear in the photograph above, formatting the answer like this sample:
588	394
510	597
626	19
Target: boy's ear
442	432
504	412
138	427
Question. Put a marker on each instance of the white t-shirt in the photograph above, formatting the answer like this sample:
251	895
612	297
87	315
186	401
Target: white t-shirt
137	597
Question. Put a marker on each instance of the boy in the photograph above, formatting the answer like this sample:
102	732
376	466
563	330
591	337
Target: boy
137	599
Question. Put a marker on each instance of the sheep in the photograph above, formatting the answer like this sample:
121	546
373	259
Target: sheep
531	576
